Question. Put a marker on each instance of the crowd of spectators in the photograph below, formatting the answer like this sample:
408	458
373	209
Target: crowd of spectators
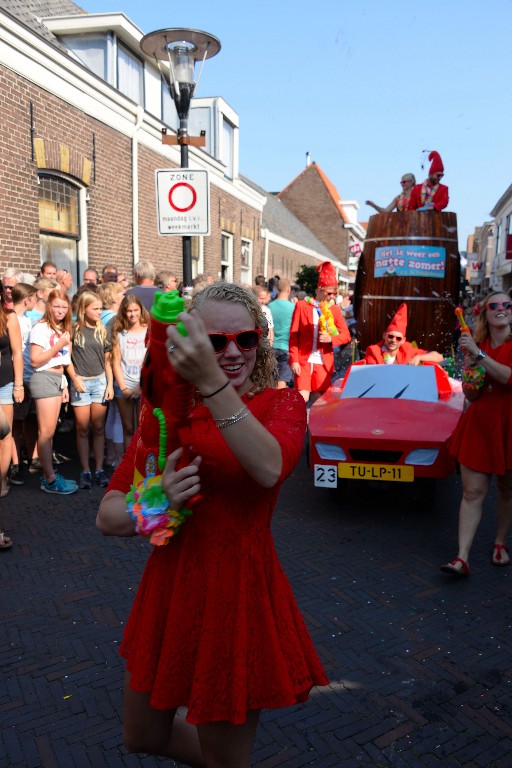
64	364
72	360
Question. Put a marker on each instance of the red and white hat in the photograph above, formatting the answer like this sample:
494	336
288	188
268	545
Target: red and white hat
437	164
327	275
399	322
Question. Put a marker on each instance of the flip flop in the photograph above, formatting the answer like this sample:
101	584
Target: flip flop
5	541
497	555
454	570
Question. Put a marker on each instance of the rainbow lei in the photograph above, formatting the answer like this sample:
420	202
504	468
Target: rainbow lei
325	320
428	193
402	204
149	506
473	378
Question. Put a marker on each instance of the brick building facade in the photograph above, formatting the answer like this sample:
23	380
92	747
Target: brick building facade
78	158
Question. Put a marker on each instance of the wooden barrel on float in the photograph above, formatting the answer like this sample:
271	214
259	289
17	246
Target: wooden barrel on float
409	257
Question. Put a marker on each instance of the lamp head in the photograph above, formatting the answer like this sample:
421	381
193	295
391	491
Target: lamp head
181	48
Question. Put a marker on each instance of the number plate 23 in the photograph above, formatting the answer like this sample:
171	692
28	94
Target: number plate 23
326	475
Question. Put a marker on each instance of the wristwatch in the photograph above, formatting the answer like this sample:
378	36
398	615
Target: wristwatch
481	354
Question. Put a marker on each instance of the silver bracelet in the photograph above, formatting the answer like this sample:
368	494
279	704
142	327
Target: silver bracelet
227	422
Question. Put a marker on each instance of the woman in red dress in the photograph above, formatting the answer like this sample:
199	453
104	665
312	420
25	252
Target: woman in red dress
214	626
482	442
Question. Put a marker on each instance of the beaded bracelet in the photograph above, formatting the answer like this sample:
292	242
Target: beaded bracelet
230	420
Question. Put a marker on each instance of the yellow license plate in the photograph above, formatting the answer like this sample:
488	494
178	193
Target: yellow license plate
399	474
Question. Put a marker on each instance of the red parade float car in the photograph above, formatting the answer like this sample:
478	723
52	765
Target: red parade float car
385	423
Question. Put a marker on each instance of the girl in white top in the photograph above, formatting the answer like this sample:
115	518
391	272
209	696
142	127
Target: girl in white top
128	351
50	354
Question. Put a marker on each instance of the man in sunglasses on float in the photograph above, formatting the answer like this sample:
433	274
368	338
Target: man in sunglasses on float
431	195
395	349
311	348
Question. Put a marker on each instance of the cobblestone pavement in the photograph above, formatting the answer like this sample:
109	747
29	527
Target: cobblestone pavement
420	666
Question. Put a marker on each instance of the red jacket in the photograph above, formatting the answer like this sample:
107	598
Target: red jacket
440	198
302	335
406	352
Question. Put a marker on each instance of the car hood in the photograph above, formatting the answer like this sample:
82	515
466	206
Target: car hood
384	419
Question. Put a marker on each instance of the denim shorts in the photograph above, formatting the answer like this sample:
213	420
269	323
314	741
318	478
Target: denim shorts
94	392
6	393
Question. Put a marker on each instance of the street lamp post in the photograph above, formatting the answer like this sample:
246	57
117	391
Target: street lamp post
181	48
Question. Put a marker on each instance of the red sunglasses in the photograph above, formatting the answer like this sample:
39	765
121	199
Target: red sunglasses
494	305
245	340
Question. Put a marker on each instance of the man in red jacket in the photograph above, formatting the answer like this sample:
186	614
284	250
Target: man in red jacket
395	349
311	343
431	195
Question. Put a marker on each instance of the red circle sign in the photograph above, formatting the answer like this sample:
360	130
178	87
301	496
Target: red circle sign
172	192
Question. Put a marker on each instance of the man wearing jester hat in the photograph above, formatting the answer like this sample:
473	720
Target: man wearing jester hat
395	349
317	326
431	195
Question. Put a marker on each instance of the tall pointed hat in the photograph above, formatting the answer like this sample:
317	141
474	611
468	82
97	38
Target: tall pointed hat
436	165
327	275
399	322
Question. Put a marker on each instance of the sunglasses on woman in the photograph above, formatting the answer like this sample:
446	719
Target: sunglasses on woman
245	340
494	305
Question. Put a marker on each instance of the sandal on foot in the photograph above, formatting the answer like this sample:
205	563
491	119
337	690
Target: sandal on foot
5	541
497	555
454	569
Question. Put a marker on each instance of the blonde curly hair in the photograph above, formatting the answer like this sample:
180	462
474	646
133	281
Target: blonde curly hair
265	367
481	327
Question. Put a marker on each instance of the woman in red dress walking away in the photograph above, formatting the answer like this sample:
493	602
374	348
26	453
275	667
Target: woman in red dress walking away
214	626
482	442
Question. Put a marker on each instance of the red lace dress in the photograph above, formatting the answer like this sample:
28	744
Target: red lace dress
214	625
482	440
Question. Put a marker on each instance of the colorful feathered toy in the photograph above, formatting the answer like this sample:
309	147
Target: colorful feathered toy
147	503
473	377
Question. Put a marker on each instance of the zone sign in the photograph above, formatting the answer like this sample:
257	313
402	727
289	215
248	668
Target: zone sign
183	202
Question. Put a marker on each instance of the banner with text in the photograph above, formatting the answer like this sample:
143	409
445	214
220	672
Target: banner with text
418	260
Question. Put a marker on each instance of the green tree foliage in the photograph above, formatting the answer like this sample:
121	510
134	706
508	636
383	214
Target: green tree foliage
307	278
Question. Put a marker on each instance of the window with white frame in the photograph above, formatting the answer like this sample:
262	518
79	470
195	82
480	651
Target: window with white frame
130	74
498	238
152	90
227	148
91	51
246	261
200	119
226	258
59	223
197	256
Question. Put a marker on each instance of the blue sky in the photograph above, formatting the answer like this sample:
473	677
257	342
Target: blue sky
363	86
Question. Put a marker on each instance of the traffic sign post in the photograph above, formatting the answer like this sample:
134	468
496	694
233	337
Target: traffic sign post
183	202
